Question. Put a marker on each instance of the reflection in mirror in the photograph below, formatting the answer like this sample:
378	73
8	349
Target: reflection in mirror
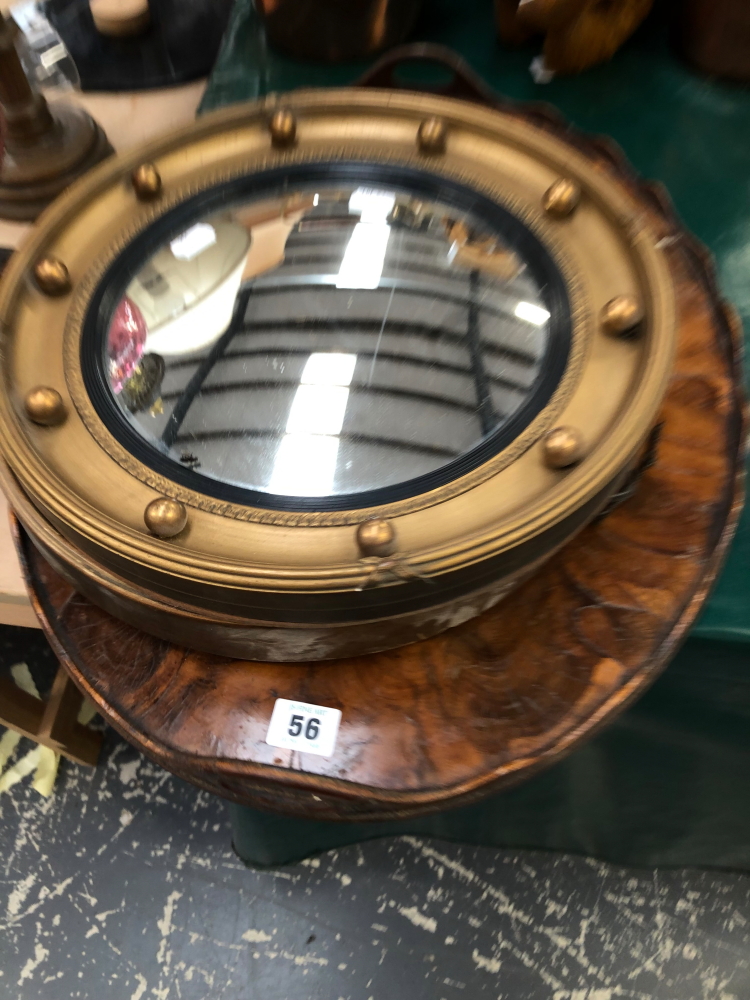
327	342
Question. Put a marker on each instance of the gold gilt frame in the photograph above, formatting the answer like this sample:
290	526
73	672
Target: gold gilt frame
229	558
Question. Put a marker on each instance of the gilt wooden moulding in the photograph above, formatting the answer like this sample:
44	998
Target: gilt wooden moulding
329	373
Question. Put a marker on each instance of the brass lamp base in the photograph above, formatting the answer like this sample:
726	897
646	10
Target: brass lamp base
32	176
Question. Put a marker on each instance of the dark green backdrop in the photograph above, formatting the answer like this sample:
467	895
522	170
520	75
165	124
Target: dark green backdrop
668	782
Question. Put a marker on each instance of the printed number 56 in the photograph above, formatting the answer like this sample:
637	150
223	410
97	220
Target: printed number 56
311	729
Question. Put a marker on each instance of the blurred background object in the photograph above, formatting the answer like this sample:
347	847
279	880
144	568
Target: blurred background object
120	18
46	147
43	54
716	37
337	30
140	44
578	34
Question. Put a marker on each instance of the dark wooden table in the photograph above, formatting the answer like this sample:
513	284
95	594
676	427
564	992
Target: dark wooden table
456	717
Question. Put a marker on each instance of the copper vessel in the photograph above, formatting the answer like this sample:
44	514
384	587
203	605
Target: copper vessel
716	37
337	30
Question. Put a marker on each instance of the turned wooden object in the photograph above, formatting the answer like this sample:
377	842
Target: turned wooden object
46	148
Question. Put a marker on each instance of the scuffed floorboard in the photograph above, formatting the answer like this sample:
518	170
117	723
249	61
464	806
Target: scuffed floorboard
124	885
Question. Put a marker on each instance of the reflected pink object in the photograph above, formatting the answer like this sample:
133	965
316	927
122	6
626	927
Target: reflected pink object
126	342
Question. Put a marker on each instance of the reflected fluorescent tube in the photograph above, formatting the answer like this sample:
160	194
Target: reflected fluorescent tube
362	265
329	369
318	409
372	205
531	313
193	241
305	463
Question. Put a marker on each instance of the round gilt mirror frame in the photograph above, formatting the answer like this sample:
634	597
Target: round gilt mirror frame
448	720
304	582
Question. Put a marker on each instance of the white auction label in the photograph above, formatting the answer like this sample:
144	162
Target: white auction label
295	725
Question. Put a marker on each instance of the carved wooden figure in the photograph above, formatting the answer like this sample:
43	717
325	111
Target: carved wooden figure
578	34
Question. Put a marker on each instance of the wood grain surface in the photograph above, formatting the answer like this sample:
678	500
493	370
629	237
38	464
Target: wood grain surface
451	719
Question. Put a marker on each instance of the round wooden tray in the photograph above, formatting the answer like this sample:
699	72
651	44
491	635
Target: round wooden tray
454	718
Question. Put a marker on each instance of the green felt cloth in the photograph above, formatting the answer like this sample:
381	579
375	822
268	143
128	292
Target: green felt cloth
666	784
675	126
669	781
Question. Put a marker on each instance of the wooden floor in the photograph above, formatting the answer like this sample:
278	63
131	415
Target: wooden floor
124	885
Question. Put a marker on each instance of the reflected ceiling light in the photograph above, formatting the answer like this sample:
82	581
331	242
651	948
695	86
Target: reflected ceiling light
372	205
305	463
363	260
193	241
329	369
531	313
187	290
317	409
364	256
